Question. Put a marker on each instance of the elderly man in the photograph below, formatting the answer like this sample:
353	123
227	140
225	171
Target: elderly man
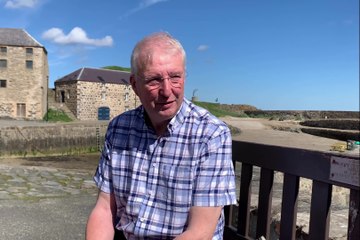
166	169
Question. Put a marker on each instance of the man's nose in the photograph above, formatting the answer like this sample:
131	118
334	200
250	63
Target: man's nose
165	88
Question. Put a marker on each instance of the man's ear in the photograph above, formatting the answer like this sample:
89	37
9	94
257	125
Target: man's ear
133	83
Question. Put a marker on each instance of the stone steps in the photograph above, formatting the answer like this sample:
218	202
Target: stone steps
52	104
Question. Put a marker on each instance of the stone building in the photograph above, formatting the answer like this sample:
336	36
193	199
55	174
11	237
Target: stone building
24	75
96	94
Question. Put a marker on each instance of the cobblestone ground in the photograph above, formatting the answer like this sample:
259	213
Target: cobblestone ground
44	203
35	183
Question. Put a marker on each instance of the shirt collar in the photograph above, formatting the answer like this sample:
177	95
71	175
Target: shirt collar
177	120
180	116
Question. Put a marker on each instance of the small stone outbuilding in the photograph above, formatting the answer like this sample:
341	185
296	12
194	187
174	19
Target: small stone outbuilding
96	94
24	74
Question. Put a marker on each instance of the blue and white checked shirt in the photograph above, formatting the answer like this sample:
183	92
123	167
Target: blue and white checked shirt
157	179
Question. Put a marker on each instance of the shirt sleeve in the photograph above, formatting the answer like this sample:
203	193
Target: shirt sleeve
103	177
214	183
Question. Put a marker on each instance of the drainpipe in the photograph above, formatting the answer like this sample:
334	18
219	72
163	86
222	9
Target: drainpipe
47	99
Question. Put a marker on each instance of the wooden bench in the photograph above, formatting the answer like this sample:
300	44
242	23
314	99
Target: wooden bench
325	169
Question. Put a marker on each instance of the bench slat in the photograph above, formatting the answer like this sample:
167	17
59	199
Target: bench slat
264	206
320	211
245	199
289	207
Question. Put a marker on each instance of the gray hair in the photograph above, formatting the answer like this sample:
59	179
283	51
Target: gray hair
143	50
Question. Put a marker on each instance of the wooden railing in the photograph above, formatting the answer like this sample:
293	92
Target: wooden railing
325	169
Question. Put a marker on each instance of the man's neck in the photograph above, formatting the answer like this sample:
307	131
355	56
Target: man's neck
159	128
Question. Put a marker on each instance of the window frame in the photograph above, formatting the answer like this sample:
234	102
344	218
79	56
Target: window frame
28	66
4	61
2	50
3	83
29	51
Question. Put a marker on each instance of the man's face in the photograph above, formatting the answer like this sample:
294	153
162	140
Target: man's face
160	86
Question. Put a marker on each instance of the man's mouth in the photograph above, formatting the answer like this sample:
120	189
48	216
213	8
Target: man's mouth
164	104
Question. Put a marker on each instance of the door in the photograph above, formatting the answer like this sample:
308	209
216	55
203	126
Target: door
104	113
21	110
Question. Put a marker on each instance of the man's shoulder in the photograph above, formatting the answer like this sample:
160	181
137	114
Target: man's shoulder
203	115
126	118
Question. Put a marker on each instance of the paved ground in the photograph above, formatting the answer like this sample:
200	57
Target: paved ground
282	133
46	198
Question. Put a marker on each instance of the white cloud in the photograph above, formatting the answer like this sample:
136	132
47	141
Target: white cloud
142	5
203	48
148	3
76	36
21	3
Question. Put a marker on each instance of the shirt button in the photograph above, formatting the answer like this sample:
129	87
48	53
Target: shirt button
154	164
142	219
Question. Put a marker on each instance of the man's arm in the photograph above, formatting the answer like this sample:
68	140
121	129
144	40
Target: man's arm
100	225
202	223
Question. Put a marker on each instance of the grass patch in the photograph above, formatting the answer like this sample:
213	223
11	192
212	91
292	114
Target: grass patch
118	68
217	110
56	116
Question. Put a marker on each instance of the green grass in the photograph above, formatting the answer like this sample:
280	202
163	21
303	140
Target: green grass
118	68
216	110
56	116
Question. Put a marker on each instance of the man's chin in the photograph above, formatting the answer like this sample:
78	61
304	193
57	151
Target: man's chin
166	114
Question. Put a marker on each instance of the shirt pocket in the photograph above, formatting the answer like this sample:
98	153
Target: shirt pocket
176	186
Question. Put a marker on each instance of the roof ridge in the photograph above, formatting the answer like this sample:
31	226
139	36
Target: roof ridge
82	70
105	69
32	38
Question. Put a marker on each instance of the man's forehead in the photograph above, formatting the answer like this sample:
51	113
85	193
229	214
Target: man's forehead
147	61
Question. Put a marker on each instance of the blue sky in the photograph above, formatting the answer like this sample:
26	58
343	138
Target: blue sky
275	55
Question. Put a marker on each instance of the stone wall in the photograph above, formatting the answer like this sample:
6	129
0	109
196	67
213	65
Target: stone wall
91	96
66	92
302	115
85	98
55	139
23	85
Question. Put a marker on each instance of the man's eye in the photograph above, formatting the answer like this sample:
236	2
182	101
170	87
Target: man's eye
153	80
175	78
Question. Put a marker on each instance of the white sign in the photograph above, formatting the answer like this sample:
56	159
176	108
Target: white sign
345	170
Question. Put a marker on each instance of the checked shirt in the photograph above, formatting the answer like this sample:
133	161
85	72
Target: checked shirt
157	179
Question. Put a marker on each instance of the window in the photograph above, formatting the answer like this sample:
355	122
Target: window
3	50
29	64
3	63
20	109
2	83
29	51
126	97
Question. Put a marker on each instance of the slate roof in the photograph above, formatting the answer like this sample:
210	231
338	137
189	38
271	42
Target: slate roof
17	37
97	75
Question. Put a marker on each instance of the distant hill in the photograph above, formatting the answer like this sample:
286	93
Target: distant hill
244	110
118	68
221	110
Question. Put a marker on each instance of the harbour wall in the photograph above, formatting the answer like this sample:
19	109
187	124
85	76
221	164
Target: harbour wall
57	139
